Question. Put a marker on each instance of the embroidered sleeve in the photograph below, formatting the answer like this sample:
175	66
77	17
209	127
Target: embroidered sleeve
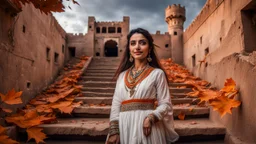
163	97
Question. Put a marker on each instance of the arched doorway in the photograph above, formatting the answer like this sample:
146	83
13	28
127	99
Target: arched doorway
111	48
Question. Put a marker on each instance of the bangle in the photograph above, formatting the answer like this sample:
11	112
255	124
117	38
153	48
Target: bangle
152	118
113	128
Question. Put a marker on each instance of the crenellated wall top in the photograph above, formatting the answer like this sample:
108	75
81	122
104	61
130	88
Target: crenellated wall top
175	11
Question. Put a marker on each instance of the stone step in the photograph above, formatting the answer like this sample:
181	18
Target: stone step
99	74
95	78
179	85
95	110
112	89
180	90
108	100
100	126
93	63
105	58
100	71
97	94
102	67
92	83
179	95
110	94
97	83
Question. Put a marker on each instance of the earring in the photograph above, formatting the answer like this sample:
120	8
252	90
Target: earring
131	58
149	58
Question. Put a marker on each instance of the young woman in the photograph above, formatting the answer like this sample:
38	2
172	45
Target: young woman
140	82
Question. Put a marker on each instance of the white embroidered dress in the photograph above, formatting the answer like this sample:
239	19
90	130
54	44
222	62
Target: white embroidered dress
131	122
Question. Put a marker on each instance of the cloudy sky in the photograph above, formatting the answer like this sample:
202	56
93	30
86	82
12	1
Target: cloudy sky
148	14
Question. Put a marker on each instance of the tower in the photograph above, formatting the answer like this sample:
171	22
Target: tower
175	18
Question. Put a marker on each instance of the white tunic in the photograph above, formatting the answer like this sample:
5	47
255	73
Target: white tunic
131	122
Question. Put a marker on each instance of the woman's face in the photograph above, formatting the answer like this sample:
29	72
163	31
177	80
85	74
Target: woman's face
139	47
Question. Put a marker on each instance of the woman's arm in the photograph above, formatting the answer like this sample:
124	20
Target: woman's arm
163	97
115	110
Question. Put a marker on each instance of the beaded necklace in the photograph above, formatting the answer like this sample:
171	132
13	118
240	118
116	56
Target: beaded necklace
131	81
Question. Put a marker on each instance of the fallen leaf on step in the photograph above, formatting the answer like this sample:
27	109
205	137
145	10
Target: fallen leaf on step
37	134
7	110
181	116
6	140
193	123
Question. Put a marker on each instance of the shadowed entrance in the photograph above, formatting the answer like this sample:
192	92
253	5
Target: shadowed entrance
111	48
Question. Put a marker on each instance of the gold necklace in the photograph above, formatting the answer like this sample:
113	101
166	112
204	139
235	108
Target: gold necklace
131	83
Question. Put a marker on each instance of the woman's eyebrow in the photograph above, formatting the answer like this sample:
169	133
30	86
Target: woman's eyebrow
140	40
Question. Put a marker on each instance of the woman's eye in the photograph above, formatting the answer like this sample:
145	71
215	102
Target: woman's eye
132	43
142	42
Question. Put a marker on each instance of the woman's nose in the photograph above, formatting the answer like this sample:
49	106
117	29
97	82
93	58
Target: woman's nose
137	46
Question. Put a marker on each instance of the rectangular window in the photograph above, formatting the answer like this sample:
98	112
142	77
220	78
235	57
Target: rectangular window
48	54
56	57
104	30
194	60
111	30
63	48
206	51
201	39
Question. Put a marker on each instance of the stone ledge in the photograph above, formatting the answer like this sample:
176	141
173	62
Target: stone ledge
108	100
99	126
105	110
198	127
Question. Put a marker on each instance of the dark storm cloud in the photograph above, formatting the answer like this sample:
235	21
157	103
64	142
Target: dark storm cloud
149	14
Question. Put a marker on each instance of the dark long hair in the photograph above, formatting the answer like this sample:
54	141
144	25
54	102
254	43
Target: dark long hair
126	64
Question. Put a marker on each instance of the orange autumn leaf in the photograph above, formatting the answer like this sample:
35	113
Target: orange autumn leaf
231	95
229	86
11	97
47	119
224	105
191	109
67	109
181	116
2	129
23	123
61	104
70	98
193	94
208	94
102	104
77	104
37	102
44	108
37	134
30	119
4	139
7	110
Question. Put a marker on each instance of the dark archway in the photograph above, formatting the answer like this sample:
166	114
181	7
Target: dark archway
72	51
111	48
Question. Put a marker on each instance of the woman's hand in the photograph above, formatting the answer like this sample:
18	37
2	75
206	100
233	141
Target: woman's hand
114	139
146	127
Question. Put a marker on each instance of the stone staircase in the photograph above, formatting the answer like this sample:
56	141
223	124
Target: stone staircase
91	120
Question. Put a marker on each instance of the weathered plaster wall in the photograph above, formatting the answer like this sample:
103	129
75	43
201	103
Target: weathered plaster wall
82	44
164	42
25	66
241	124
220	28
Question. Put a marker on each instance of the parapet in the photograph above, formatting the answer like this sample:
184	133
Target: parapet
126	19
175	11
